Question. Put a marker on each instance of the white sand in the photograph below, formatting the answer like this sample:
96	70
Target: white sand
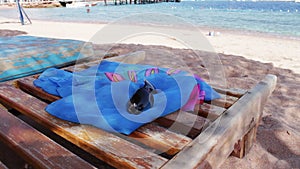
282	52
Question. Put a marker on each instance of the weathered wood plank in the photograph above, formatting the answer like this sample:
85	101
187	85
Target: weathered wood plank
243	146
152	139
250	138
209	111
183	122
105	146
160	138
231	92
225	101
34	147
211	148
26	84
2	166
239	148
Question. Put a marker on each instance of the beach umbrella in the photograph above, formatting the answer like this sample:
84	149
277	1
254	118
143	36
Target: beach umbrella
22	12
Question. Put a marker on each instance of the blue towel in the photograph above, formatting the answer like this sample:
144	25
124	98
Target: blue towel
99	95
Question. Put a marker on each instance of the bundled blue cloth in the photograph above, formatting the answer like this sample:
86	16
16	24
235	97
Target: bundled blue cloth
99	95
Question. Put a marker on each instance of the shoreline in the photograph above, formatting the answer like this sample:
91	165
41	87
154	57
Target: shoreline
201	27
207	29
281	51
217	28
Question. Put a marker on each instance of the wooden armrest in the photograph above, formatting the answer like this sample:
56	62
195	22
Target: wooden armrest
212	147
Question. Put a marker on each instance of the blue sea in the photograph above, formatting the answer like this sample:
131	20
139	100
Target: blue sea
278	18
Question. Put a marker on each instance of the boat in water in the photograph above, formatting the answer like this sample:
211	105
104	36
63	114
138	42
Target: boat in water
65	2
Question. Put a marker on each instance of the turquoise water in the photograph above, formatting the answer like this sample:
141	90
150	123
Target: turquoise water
279	18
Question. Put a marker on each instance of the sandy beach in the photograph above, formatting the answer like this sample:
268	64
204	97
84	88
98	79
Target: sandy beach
246	57
283	52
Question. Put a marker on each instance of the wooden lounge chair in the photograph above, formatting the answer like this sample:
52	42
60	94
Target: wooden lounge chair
220	128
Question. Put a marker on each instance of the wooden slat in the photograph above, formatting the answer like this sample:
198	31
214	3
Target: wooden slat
160	138
34	147
243	146
249	139
183	122
212	147
225	101
2	166
160	143
231	92
209	111
105	146
26	84
239	148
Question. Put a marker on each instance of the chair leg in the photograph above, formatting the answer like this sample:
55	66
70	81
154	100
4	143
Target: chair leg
243	146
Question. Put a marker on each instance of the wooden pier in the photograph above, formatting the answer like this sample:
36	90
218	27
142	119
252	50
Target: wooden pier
122	2
59	3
